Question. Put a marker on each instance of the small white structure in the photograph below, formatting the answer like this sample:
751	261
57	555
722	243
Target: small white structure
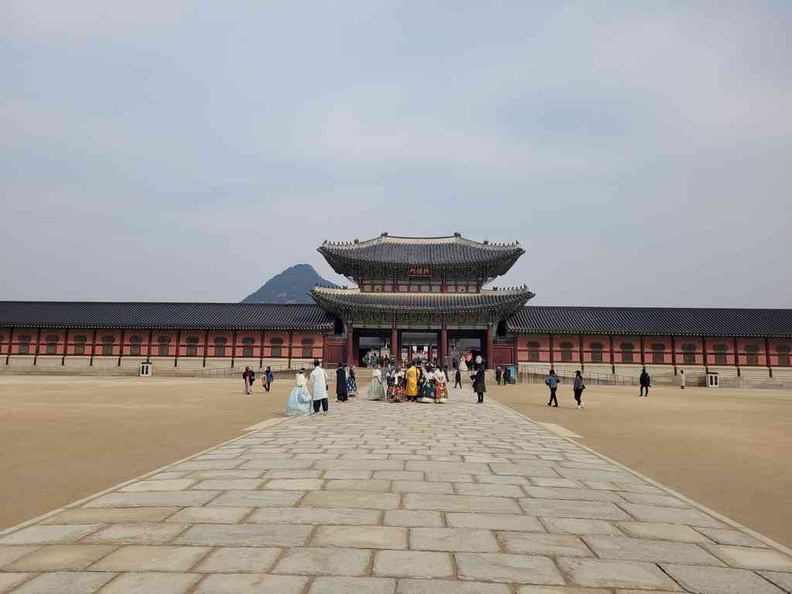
145	369
712	379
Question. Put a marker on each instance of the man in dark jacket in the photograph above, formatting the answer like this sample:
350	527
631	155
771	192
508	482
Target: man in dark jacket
479	384
341	383
645	382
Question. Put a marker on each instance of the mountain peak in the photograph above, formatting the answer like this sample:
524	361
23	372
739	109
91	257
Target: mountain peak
290	286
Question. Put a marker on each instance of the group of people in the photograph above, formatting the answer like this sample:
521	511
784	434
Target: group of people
249	377
578	386
311	394
417	383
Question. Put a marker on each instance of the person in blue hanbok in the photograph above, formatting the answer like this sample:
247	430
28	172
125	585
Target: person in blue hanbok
351	382
300	398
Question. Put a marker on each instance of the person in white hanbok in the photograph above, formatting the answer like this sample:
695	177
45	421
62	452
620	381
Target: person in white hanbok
441	388
299	402
319	384
376	390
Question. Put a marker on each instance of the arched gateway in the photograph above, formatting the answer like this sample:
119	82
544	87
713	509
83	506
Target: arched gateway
420	296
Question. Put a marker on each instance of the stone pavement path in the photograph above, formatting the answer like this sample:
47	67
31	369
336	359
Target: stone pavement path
380	498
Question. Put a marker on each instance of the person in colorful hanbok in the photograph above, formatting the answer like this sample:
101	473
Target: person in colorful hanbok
427	392
299	402
441	386
401	386
376	390
411	378
351	382
390	382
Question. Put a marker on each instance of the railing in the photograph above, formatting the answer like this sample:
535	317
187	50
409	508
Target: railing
222	372
535	374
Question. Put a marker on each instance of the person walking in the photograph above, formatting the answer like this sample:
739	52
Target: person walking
341	383
457	376
249	377
498	375
646	382
266	379
681	379
319	383
552	383
351	382
578	388
479	384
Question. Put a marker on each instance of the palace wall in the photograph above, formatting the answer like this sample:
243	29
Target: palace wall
172	351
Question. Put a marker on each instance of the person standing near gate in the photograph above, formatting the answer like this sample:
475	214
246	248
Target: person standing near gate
578	388
319	383
411	376
457	376
645	381
682	379
552	383
498	375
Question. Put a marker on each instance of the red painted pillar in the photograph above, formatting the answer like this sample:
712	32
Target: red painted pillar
349	345
490	349
395	345
443	346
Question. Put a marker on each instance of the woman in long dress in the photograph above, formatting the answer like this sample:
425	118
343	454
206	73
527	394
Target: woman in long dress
441	387
351	382
299	402
427	391
376	391
390	380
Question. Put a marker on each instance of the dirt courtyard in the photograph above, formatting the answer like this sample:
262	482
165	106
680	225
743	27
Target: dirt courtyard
63	438
727	449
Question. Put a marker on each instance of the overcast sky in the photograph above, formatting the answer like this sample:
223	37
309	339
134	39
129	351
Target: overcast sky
641	152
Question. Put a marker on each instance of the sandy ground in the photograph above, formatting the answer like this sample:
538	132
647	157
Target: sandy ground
727	449
63	438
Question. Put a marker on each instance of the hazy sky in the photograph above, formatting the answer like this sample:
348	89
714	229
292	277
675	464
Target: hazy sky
641	152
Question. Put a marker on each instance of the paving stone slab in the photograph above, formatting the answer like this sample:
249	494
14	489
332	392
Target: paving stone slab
413	519
720	580
60	557
9	554
65	582
257	499
325	561
552	545
413	564
461	503
316	515
360	537
409	586
159	485
563	590
591	510
518	523
228	485
653	513
358	485
148	583
239	559
354	499
151	558
649	530
656	551
732	537
750	558
453	539
209	515
339	585
156	499
294	484
50	534
579	526
617	574
111	515
782	579
488	490
254	535
136	534
8	581
501	567
251	583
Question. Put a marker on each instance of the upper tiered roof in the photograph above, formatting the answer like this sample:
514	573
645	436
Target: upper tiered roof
388	253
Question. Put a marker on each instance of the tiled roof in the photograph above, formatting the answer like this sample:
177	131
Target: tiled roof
352	299
652	321
421	251
204	316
